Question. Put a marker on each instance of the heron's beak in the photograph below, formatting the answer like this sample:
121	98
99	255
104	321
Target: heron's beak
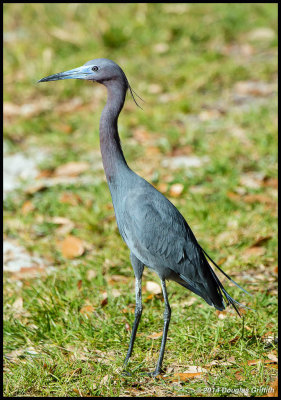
84	72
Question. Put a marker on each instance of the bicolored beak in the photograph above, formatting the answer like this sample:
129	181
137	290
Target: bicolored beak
84	72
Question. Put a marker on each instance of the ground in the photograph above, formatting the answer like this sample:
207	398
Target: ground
206	138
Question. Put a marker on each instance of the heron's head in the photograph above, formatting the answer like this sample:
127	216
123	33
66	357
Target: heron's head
99	70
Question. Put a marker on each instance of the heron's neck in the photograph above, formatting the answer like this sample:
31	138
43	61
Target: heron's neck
112	155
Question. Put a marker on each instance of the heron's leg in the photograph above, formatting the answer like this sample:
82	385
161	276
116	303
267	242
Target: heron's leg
167	317
138	270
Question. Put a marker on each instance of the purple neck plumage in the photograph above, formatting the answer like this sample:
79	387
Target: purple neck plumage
112	154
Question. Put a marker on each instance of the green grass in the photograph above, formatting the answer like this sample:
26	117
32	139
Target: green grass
63	352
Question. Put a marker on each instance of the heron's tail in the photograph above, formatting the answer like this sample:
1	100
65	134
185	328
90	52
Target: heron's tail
229	299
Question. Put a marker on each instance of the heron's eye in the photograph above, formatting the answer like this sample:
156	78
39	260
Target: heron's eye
95	68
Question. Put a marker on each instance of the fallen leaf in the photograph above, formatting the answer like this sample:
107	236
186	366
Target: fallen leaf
162	187
67	225
258	198
45	173
270	182
261	240
234	340
27	207
65	128
70	198
221	314
176	189
153	287
71	247
155	335
184	376
181	151
255	251
88	309
36	187
104	301
255	362
72	168
238	375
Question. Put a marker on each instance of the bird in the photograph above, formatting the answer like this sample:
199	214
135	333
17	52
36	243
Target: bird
154	230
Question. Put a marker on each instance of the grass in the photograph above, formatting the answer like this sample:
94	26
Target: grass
186	61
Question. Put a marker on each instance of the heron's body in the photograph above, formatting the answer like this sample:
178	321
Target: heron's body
154	230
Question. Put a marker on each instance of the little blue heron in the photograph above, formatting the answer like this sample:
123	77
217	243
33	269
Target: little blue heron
154	230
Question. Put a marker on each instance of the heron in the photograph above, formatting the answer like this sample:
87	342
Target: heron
154	230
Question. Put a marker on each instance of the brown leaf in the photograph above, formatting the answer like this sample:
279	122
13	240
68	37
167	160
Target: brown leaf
270	182
70	198
88	309
255	362
221	314
176	189
181	151
127	327
27	273
71	247
238	375
258	198
162	187
45	173
149	297
234	340
67	225
261	240
36	187
254	251
185	376
78	391
72	168
155	335
233	196
27	207
104	301
65	128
